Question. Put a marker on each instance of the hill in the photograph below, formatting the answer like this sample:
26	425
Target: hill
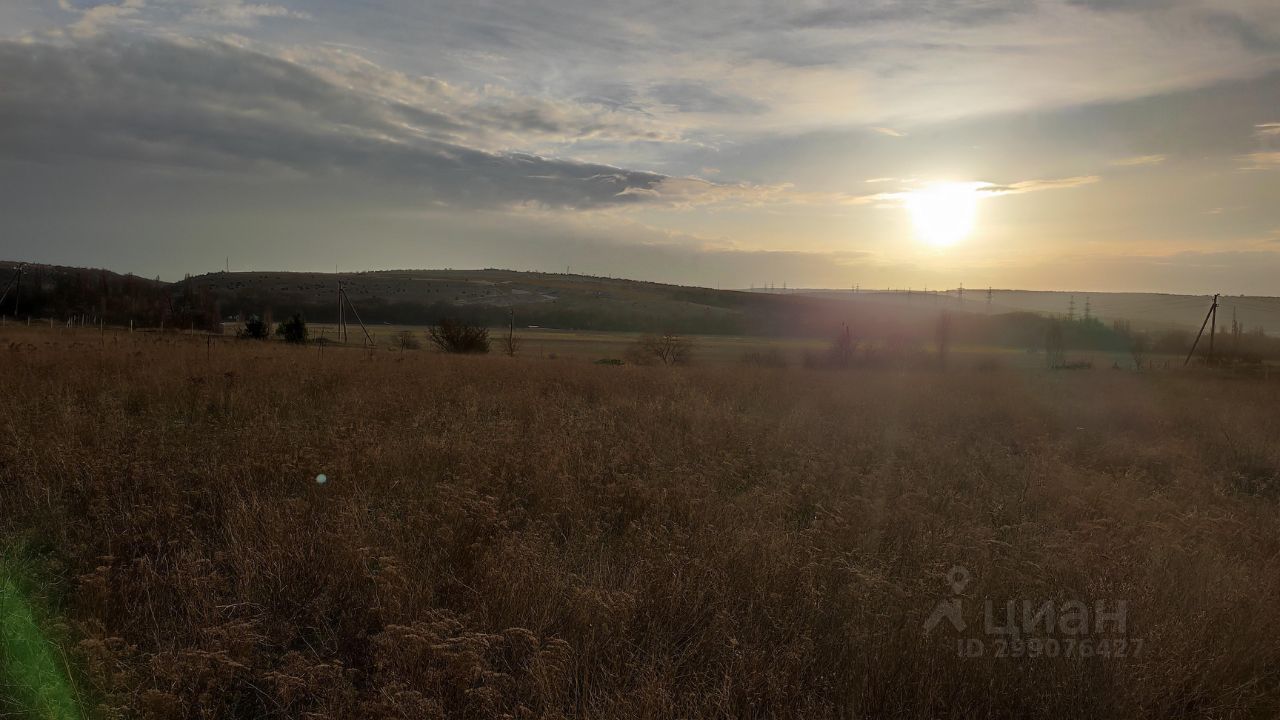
540	299
1011	318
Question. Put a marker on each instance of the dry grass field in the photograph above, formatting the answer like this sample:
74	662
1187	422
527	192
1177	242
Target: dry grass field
534	538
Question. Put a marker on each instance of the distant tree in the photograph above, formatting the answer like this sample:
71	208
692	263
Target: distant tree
1139	345
293	330
254	329
457	336
1055	348
667	348
510	344
843	346
405	340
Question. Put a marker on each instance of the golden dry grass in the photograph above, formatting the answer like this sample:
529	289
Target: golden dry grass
532	538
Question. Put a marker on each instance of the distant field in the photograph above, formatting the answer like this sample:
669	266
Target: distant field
535	538
597	345
589	345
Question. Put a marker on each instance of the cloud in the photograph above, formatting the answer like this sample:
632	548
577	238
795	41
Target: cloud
204	106
237	13
889	132
1027	186
749	68
212	107
98	17
688	192
1260	161
1267	129
695	97
979	187
490	116
1139	161
94	18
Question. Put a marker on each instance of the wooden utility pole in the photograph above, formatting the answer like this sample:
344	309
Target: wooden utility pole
15	282
342	295
1213	327
342	318
1213	312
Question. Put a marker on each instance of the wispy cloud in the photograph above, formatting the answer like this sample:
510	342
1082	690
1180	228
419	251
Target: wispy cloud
1260	161
888	131
93	19
981	189
1139	161
1271	129
1027	186
179	13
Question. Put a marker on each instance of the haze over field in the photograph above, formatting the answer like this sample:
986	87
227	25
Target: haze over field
1067	144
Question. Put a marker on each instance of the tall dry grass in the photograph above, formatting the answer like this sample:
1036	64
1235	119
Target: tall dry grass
526	538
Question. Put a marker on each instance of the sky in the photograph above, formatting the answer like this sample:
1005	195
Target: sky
1125	145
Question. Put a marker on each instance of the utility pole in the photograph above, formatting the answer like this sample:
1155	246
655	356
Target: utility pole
1213	310
342	295
15	282
1071	309
1088	313
1213	326
988	299
1235	335
342	317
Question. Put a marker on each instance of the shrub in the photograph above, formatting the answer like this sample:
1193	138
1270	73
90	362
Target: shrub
293	330
457	336
254	329
405	340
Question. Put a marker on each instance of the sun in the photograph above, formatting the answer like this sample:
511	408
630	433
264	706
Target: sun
943	213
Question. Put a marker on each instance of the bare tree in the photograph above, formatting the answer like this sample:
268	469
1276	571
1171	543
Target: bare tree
1055	347
511	343
668	348
406	341
843	346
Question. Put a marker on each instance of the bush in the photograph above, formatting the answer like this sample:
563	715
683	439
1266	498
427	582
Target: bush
293	330
405	340
254	329
456	336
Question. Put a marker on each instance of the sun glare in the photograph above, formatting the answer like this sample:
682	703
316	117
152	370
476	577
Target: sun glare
943	213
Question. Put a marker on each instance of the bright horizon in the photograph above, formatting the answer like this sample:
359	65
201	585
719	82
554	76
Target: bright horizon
1068	145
